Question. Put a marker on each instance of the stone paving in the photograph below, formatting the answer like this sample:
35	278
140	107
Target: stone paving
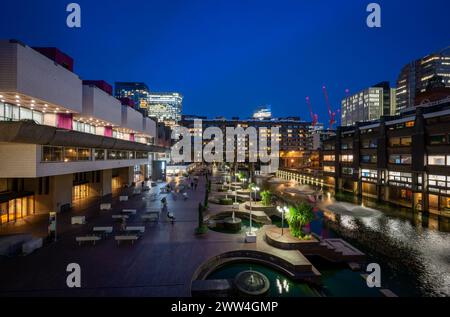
161	263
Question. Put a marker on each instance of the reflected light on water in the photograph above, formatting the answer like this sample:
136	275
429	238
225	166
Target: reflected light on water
283	287
348	222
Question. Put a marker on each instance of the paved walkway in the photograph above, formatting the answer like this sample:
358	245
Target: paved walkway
161	263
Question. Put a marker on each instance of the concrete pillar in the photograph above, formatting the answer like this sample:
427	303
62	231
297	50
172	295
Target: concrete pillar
126	175
106	183
61	191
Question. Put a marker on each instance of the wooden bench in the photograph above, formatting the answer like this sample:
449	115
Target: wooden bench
131	238
105	206
120	217
78	220
135	229
123	198
129	211
136	191
103	230
150	217
92	239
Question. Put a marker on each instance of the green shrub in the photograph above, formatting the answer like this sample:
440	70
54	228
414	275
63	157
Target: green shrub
226	201
202	228
266	198
298	217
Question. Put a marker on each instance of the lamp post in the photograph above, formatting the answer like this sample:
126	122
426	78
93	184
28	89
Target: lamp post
282	210
255	189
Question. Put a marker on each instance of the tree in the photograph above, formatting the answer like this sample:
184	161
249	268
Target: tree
202	228
205	204
298	217
266	198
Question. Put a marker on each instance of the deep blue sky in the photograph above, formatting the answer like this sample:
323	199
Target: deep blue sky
228	56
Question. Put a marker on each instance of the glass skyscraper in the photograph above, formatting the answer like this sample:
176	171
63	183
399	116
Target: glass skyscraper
165	107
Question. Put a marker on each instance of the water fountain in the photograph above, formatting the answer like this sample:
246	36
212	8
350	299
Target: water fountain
232	223
252	283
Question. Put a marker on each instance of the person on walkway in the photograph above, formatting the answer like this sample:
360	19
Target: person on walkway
123	224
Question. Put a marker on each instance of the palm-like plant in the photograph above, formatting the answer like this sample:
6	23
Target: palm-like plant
298	217
266	198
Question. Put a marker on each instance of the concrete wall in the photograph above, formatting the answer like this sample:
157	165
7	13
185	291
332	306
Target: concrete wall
100	105
132	119
20	160
149	127
26	71
17	160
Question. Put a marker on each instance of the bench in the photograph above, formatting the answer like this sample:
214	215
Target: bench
119	216
123	198
150	217
103	230
78	220
105	206
34	244
152	211
136	191
92	239
135	229
129	211
131	238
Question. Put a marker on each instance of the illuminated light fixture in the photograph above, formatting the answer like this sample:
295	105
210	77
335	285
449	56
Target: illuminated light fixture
45	105
3	100
57	109
1	96
33	101
17	97
67	111
43	111
54	111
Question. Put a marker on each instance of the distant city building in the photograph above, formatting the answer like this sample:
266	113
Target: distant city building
165	107
294	135
368	105
135	91
425	74
263	113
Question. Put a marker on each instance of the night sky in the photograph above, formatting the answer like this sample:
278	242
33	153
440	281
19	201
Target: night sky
229	56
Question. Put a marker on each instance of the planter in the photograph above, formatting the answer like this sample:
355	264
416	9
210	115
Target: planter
226	201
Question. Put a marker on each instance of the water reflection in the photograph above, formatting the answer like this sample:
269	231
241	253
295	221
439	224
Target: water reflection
413	249
416	252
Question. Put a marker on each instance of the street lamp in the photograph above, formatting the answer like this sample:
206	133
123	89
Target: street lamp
255	189
282	210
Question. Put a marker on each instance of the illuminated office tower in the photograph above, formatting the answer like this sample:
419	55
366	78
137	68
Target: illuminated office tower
368	105
165	107
137	92
263	113
429	73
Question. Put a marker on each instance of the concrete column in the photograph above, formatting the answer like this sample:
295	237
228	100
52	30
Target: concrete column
61	191
106	183
126	175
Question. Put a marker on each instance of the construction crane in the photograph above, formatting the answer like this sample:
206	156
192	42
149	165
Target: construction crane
314	117
331	113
